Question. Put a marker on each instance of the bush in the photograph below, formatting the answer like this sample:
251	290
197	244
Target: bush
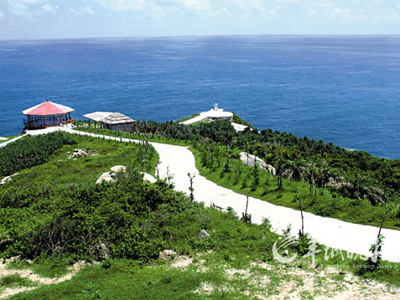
30	151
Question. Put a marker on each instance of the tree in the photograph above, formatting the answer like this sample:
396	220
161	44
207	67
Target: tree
191	189
374	262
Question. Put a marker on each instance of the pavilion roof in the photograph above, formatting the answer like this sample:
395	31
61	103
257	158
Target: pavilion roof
110	118
48	108
117	118
97	116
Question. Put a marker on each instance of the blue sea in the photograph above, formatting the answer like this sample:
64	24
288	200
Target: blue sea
341	89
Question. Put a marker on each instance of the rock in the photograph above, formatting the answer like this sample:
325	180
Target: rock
288	174
103	251
117	169
181	262
112	175
339	184
250	160
203	234
148	177
81	153
376	195
5	180
78	265
166	254
107	177
239	127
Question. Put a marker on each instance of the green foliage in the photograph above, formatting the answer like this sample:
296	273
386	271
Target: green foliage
127	223
62	171
303	243
246	218
89	222
363	175
322	202
375	261
13	281
30	151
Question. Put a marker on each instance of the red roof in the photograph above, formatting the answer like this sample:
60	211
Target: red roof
47	108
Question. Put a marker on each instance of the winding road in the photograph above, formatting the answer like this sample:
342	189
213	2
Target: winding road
178	161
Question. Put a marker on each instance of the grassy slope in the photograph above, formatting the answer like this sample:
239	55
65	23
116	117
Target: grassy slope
60	170
233	270
324	203
240	266
235	246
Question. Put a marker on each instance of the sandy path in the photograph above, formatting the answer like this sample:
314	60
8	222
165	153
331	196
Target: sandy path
330	232
29	274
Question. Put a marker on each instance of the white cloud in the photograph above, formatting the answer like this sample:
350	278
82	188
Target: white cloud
88	10
1	15
26	1
18	8
123	5
49	7
197	4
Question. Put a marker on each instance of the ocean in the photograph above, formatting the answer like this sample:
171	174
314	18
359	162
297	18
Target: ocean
341	89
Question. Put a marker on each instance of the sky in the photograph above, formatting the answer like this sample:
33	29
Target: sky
58	19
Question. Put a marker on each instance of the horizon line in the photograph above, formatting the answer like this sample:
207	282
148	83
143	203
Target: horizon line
195	36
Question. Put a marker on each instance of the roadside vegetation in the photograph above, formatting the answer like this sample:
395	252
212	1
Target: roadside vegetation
119	230
107	238
64	168
30	152
331	181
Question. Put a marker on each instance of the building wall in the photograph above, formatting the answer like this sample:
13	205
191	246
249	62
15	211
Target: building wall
121	127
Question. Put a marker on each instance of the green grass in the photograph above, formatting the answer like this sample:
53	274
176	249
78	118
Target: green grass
235	245
49	268
140	137
13	281
322	202
123	280
211	276
85	170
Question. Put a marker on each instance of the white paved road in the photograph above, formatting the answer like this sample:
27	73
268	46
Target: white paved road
330	232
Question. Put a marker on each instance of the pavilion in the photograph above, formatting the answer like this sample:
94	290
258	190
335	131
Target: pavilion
47	114
110	120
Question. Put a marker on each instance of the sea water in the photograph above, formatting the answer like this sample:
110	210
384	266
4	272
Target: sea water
341	89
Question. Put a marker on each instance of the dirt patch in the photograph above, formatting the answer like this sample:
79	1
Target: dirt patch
13	291
181	262
296	283
29	274
205	289
201	266
237	273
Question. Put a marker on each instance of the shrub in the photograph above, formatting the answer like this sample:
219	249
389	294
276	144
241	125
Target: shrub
30	151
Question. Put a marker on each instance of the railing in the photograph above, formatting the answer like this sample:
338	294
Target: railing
29	124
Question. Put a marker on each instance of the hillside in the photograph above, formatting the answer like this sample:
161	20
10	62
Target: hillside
54	215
